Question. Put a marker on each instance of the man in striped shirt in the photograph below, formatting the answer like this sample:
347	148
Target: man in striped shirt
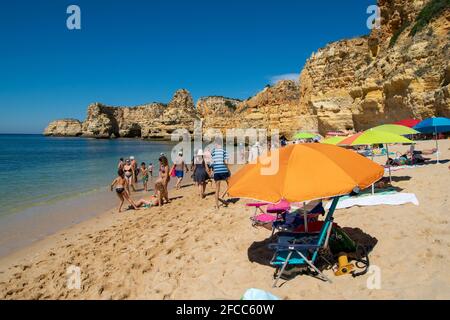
220	168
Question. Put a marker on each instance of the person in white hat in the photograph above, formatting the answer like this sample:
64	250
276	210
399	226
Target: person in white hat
200	175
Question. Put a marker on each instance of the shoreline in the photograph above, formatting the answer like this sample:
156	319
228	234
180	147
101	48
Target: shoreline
187	250
35	223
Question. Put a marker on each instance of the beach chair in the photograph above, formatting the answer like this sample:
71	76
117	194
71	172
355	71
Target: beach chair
274	212
300	219
302	249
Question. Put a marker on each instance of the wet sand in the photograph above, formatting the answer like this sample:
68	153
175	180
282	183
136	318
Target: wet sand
188	250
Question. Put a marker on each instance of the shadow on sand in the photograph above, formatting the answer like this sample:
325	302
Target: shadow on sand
258	252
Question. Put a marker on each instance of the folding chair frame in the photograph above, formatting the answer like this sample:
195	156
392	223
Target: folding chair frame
322	243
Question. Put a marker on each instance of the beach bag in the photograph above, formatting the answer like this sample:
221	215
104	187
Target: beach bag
172	172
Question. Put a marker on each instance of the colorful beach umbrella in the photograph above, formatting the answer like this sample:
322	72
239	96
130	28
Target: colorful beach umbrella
371	137
396	129
410	123
333	140
305	172
435	126
304	135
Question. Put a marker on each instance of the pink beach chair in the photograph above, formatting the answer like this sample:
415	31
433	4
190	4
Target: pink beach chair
272	214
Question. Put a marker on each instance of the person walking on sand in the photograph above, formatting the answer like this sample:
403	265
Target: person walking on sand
200	173
179	167
220	168
121	185
144	173
129	175
161	185
208	161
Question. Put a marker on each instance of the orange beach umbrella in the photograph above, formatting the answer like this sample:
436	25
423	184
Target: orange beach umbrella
305	172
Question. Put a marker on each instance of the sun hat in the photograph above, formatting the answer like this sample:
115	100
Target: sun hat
200	152
132	158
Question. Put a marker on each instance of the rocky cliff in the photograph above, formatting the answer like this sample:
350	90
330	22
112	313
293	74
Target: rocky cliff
400	70
150	121
64	127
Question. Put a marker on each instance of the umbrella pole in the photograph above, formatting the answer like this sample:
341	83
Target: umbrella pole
389	165
373	185
437	145
305	217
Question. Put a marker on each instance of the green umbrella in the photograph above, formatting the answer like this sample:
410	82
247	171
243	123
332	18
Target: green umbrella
304	135
371	137
333	140
396	129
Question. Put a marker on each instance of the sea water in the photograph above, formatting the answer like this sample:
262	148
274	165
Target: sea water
42	175
36	170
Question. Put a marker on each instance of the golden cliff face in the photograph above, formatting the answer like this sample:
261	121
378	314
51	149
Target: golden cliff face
367	81
400	70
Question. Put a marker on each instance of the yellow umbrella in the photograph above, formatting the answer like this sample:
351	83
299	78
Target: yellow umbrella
396	129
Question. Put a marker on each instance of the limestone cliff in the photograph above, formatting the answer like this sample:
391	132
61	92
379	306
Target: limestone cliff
152	121
400	70
64	127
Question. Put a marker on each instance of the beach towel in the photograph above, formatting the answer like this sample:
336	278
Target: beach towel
386	169
392	199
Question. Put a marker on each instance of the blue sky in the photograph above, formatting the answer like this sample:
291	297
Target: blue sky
133	52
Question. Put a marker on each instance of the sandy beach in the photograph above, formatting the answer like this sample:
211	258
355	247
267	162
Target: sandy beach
188	250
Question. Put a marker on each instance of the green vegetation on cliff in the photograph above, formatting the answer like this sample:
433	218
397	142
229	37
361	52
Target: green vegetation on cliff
432	9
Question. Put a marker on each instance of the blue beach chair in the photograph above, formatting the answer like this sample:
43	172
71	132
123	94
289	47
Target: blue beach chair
302	249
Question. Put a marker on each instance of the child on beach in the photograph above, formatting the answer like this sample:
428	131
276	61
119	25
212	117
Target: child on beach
150	170
144	173
120	183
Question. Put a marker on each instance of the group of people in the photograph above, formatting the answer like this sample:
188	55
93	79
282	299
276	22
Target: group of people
131	171
207	166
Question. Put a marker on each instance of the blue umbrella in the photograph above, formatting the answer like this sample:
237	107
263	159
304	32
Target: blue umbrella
434	125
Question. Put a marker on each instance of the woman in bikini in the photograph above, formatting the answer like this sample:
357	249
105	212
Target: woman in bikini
152	202
129	175
121	184
161	184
